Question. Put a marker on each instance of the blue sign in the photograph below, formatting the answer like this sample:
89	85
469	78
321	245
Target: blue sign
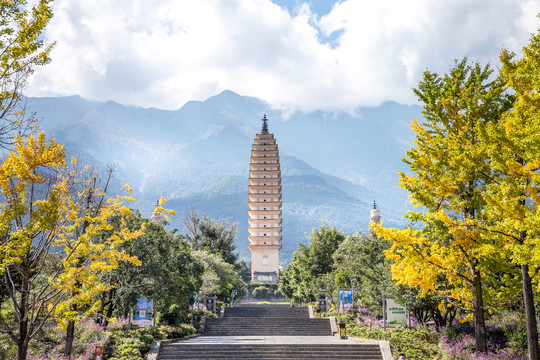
345	296
142	314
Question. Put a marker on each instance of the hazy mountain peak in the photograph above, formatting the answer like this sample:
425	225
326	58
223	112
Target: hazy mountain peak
334	164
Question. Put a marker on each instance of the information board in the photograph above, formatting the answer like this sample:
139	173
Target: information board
143	311
396	314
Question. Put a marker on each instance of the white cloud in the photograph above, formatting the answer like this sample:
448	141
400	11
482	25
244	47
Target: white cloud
163	53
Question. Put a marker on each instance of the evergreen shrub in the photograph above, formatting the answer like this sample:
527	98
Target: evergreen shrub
261	292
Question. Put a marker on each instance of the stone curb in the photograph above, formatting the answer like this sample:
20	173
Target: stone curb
154	348
333	325
385	350
384	346
202	325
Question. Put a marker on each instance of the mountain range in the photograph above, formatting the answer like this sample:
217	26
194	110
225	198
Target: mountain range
334	164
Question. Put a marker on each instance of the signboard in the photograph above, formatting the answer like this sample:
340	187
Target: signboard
98	353
396	314
142	314
345	296
345	299
210	303
322	304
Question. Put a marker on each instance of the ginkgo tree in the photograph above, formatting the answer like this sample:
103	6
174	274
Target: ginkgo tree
22	48
86	253
29	223
449	172
513	195
50	217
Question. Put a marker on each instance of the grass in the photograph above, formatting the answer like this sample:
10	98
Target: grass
273	303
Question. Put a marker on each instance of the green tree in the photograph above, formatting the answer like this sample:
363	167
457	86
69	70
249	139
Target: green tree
363	259
285	285
215	236
450	171
168	271
324	242
295	280
219	277
306	275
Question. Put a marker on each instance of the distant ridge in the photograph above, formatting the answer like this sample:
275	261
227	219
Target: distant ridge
333	164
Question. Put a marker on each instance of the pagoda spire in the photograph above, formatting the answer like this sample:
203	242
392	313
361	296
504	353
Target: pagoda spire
264	125
157	217
375	217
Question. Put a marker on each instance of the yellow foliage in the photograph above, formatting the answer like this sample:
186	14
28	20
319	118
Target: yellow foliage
74	217
449	251
160	210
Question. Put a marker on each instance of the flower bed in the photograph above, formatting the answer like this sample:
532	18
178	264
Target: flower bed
118	341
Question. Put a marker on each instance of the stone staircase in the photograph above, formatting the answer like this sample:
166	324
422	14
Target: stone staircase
265	333
267	321
185	350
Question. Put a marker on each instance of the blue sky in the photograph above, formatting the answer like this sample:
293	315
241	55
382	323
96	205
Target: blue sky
319	7
293	54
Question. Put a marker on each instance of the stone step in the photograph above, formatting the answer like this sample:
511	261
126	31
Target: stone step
267	321
272	320
267	333
264	351
277	326
292	330
315	327
187	346
259	331
255	356
236	320
245	328
267	311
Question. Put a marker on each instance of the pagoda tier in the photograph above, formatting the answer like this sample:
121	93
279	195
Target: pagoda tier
264	207
265	181
262	197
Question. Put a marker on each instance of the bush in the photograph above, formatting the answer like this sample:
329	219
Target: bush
49	343
8	350
128	349
119	341
458	341
254	285
261	292
173	315
415	344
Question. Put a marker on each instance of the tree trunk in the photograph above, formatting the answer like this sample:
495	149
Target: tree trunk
70	333
478	308
109	314
22	343
451	317
530	313
22	351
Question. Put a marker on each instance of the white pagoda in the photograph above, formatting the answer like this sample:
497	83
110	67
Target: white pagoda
264	207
